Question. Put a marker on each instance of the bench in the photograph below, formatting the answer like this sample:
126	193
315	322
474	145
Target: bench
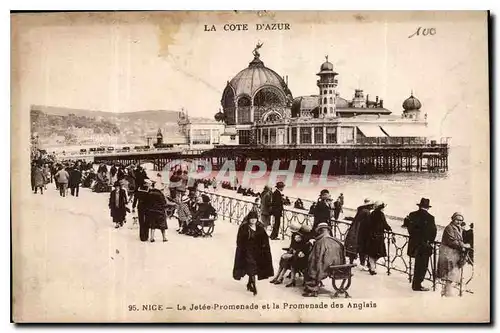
207	227
341	273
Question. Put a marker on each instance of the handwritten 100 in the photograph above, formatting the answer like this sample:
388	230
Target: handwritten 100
424	32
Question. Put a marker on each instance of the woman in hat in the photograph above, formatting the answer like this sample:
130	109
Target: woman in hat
296	244
375	246
253	253
355	234
156	212
118	204
451	254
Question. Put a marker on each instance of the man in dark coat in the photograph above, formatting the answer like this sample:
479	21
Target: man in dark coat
323	210
355	235
422	230
75	178
140	202
375	244
327	251
277	209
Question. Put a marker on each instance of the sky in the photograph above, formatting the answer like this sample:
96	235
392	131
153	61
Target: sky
133	62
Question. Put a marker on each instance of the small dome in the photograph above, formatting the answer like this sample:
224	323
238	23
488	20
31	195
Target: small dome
341	103
411	103
326	66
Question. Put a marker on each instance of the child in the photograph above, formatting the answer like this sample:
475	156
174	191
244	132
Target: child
184	214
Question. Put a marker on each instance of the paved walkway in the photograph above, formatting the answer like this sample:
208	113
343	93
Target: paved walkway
77	267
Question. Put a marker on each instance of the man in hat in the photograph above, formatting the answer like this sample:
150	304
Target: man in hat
118	204
277	209
422	231
323	210
265	206
356	236
327	251
140	200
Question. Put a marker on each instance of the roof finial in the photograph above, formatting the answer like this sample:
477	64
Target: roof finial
326	57
256	53
412	93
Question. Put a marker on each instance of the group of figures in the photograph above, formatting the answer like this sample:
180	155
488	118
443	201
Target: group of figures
66	175
314	250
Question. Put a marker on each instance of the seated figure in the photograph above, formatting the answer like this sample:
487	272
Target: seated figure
326	251
205	211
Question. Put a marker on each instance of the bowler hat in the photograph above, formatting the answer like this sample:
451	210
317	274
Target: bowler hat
324	192
294	226
280	185
322	225
424	203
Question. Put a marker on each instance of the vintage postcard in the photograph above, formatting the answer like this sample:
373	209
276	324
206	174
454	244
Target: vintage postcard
250	167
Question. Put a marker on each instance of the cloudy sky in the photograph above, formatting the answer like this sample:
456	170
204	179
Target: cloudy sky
150	61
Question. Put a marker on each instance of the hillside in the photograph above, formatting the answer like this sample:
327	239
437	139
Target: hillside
63	126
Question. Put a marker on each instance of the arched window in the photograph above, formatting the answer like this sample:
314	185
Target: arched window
331	100
331	110
324	101
325	111
324	92
331	92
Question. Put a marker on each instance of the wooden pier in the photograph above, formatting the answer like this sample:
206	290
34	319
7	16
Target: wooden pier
339	159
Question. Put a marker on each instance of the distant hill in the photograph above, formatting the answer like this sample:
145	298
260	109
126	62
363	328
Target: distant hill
157	116
63	126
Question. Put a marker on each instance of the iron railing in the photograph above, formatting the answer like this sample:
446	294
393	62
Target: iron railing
235	209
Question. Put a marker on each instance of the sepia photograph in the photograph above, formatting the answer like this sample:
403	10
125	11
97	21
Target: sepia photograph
250	167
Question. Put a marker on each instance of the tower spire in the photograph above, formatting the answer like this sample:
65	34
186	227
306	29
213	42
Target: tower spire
326	57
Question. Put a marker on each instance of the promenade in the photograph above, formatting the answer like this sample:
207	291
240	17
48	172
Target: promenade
77	267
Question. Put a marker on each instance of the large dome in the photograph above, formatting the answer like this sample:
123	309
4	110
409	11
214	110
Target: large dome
255	76
253	93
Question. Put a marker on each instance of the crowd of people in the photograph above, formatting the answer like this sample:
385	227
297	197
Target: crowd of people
365	240
312	249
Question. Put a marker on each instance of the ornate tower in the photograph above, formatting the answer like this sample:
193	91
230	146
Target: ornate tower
159	137
327	85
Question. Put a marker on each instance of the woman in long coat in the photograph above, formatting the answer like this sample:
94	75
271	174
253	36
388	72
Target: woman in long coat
451	254
155	213
375	246
118	205
253	253
39	179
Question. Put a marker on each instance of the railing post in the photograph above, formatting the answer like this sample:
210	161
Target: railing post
230	210
434	267
388	254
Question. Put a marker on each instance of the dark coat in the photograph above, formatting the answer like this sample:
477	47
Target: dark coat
155	209
375	246
205	210
266	203
75	177
140	200
253	253
422	230
119	212
355	238
38	177
322	213
277	203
